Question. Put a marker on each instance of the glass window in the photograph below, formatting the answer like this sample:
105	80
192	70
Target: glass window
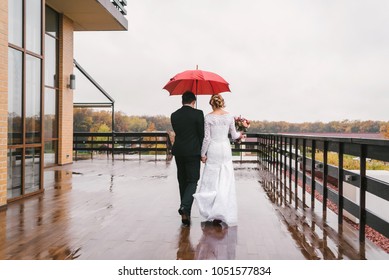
15	22
52	22
50	61
33	26
33	99
50	152
32	170
50	119
15	90
14	169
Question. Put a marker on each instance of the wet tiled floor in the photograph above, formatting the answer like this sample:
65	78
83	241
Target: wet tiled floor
104	209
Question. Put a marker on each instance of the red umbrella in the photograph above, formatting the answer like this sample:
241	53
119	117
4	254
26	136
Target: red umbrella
197	81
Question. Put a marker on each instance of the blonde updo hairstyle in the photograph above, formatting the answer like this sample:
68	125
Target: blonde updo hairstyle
217	101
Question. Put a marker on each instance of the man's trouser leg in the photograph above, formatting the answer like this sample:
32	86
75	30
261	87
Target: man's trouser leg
192	175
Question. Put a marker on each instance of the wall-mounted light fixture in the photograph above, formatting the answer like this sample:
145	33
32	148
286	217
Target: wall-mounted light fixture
72	81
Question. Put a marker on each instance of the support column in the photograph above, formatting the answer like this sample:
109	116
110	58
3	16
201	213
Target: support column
3	100
65	143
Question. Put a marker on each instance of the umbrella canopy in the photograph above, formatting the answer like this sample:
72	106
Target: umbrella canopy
197	81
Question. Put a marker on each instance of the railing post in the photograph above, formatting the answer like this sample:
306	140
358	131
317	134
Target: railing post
267	145
274	154
124	148
167	146
285	152
271	154
91	152
296	175
313	182
340	183
279	166
304	169
274	167
140	148
325	177
258	148
276	160
362	194
290	170
240	152
263	150
107	143
113	144
76	140
156	147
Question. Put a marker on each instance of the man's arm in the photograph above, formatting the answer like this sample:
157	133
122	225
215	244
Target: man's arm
172	122
200	127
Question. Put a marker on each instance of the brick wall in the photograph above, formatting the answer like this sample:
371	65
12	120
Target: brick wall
3	99
65	149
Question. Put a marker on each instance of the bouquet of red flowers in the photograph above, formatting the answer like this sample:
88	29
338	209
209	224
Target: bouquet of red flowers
242	124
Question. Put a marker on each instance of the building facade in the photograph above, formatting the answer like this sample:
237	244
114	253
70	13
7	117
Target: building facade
36	96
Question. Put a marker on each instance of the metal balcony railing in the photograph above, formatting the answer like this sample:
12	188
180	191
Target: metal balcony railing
120	4
293	158
87	143
294	161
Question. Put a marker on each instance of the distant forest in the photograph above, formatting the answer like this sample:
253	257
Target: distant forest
89	120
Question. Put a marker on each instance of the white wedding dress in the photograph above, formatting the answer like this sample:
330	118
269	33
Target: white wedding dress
215	196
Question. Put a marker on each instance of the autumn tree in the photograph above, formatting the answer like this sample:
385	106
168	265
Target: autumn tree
88	120
82	119
162	123
136	124
384	129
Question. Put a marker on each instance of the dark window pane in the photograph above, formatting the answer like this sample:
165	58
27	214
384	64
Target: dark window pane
15	96
51	124
52	26
15	22
14	169
34	26
33	99
50	61
32	170
51	153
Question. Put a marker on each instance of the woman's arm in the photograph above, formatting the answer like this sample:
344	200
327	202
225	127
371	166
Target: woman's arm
233	132
207	138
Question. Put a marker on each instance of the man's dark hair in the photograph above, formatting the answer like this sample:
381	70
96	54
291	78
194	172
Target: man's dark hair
188	97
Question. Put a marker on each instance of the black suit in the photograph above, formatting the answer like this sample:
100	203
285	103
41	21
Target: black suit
188	125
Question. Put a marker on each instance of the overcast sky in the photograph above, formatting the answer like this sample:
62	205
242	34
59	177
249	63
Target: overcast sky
302	60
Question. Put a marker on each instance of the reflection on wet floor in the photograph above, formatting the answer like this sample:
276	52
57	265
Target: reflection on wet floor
185	248
317	237
130	212
218	242
61	252
58	178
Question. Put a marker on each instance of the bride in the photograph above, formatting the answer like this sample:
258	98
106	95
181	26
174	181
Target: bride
215	196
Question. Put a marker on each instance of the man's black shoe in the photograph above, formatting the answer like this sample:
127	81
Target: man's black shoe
185	219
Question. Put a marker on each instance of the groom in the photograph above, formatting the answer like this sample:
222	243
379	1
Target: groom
188	125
